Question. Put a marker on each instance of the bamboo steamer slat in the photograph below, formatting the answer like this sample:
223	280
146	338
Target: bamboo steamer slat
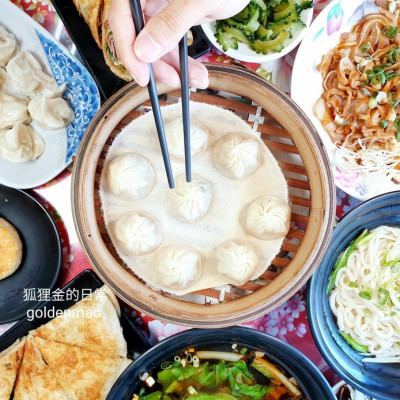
295	144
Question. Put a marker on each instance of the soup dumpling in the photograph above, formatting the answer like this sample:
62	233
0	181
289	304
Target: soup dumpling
190	201
178	265
130	176
236	155
139	233
175	140
236	260
268	218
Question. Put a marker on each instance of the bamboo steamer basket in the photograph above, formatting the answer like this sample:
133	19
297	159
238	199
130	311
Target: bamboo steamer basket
294	142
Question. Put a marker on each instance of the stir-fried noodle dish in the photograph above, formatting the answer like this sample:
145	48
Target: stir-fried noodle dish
364	294
360	104
219	375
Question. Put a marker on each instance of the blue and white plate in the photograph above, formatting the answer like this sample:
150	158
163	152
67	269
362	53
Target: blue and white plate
81	93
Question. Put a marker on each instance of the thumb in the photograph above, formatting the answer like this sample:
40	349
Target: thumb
164	30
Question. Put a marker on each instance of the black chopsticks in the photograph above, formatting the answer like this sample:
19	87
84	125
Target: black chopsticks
138	19
183	66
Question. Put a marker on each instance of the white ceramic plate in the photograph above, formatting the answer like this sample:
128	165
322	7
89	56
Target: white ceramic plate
244	53
338	17
81	93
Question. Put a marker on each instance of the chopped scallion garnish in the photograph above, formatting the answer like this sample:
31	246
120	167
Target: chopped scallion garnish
391	32
365	47
383	124
365	295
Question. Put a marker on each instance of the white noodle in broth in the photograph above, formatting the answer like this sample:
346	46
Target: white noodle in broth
366	294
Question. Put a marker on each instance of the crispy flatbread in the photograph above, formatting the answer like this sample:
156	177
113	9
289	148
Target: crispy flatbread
92	323
10	360
10	249
91	11
83	374
35	379
108	46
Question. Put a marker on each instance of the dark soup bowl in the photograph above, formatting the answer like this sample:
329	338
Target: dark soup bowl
375	378
234	341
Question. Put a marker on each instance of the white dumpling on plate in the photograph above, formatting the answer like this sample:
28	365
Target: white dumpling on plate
13	110
26	75
189	201
3	81
268	218
8	46
178	266
236	155
130	176
175	140
138	232
50	110
236	260
21	143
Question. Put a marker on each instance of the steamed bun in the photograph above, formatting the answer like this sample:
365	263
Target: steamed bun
139	233
175	142
178	265
190	201
268	218
130	176
236	155
236	260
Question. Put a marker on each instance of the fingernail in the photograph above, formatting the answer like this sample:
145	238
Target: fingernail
147	49
199	84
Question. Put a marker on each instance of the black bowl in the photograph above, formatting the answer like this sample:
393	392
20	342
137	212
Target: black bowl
380	381
311	380
41	254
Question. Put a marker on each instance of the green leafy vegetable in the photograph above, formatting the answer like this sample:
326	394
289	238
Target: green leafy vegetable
222	380
353	343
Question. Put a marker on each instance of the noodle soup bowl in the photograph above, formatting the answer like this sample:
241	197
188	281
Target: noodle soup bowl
378	380
310	380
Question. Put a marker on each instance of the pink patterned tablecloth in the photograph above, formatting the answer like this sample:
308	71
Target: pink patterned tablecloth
288	322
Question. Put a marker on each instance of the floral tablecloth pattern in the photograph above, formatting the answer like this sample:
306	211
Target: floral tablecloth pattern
289	321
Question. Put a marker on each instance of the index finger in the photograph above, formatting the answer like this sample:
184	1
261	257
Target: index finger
123	36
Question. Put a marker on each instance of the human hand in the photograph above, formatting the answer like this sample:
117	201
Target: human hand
167	22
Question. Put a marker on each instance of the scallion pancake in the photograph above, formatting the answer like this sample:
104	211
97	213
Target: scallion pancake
92	323
10	360
35	379
83	374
